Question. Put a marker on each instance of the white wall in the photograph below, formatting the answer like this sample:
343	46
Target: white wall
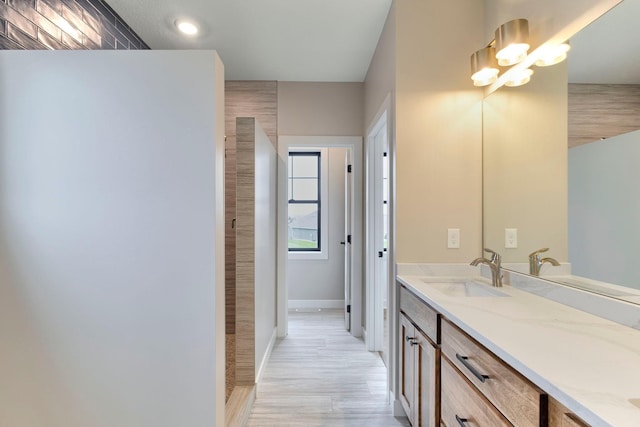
604	209
320	282
265	244
110	291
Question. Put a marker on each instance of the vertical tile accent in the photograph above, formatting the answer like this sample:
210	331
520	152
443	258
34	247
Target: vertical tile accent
245	251
64	24
257	99
586	123
230	234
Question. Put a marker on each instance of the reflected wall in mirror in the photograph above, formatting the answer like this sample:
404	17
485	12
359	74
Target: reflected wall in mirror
525	166
584	202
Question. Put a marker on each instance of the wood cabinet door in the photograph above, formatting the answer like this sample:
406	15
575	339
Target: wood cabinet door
407	367
427	359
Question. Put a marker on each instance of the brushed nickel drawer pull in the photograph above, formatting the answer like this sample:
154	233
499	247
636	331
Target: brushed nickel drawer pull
461	421
465	362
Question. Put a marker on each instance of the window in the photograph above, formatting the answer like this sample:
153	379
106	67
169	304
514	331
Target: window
304	182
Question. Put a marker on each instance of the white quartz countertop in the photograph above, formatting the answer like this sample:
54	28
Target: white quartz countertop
589	364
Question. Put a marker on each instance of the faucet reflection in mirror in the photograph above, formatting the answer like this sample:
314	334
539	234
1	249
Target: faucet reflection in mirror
494	264
510	47
535	262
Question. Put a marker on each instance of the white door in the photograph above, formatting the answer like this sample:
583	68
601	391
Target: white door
348	224
378	224
381	233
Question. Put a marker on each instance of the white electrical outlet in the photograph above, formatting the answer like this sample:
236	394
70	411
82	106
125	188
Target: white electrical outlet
510	238
453	238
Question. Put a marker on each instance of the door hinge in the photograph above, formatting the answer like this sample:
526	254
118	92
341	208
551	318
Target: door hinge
349	168
384	154
349	238
349	308
380	254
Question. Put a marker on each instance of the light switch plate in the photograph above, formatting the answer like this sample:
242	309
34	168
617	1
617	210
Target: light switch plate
510	238
453	238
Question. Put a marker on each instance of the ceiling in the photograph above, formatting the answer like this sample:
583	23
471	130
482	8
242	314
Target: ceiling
607	51
285	40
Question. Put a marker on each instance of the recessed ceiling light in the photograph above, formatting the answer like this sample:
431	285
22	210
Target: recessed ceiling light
187	27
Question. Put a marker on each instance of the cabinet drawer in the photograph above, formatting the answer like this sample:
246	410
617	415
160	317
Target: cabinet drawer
425	317
559	416
462	405
521	402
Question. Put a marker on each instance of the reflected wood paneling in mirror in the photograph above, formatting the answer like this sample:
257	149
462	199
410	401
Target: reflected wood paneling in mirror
598	111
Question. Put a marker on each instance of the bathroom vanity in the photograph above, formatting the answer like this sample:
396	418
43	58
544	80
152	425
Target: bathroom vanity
475	355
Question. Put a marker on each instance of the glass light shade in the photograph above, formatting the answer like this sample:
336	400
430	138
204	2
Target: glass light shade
554	55
519	78
484	67
512	42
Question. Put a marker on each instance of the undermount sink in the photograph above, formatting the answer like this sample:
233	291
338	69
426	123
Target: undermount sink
465	289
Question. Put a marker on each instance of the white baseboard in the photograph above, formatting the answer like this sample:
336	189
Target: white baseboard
265	358
316	303
398	410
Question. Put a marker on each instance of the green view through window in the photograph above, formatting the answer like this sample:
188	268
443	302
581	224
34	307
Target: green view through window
304	201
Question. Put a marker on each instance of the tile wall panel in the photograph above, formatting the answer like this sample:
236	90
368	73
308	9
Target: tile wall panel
64	24
257	99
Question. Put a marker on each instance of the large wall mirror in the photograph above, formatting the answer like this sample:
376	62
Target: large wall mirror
561	161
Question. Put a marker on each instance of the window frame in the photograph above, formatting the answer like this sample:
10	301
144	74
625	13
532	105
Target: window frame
317	201
323	253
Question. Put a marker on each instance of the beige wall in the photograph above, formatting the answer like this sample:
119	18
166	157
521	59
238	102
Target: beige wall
320	109
548	19
438	130
525	165
381	76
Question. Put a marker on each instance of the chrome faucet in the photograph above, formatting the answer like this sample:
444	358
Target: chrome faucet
535	262
494	265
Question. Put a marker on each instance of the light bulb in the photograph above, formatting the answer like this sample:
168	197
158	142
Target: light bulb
187	27
554	55
519	78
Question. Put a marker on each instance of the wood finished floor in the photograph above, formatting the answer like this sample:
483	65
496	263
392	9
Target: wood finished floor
319	375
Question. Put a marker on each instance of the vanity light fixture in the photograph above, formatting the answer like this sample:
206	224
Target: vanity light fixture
512	42
484	66
509	48
554	54
519	77
187	27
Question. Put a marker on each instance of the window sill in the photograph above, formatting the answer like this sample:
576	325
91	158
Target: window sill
311	255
